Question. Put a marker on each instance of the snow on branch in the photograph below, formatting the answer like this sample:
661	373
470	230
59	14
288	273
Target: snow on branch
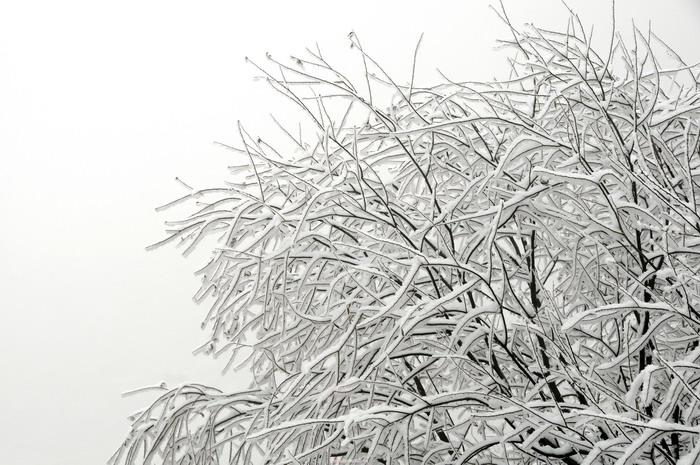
500	272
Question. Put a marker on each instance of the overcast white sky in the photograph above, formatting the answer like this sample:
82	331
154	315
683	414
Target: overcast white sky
102	104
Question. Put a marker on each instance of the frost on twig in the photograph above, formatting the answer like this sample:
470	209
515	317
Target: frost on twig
496	272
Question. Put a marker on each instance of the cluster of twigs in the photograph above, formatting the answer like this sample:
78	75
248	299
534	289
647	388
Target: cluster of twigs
474	273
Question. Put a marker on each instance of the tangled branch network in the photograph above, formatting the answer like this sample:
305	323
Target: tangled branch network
471	273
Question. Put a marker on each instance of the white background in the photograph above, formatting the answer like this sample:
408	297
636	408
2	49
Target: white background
102	104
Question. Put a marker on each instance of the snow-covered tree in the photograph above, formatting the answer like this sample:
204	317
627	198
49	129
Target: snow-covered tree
474	273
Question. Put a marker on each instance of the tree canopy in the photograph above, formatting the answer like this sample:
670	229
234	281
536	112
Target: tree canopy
475	272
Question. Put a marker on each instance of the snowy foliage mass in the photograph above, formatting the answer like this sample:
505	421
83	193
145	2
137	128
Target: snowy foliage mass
481	273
